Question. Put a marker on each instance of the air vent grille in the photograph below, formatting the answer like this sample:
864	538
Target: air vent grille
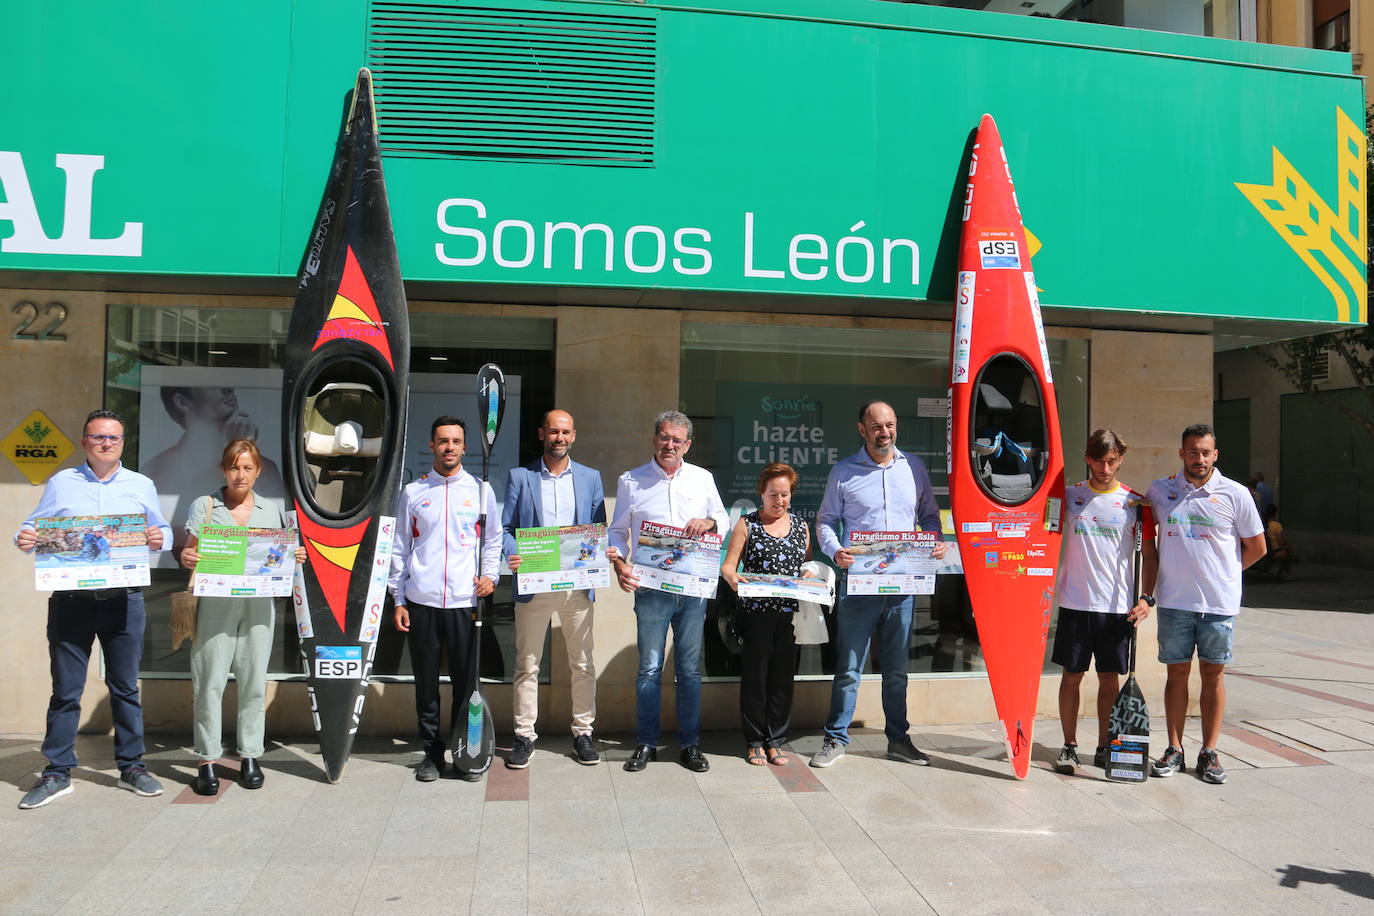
544	84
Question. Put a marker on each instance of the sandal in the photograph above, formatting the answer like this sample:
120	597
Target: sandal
755	756
777	756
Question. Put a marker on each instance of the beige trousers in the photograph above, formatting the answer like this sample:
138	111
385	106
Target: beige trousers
532	620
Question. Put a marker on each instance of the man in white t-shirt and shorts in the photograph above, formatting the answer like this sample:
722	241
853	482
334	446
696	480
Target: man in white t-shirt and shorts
1099	608
1209	532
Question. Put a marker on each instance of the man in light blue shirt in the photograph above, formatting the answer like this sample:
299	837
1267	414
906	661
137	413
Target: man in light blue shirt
879	488
101	486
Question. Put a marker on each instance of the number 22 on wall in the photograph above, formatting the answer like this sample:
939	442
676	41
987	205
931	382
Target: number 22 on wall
54	314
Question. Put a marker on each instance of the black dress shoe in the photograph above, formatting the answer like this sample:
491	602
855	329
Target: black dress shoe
250	774
206	782
640	758
693	759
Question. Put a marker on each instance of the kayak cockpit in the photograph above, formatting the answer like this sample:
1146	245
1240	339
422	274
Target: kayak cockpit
1008	451
343	423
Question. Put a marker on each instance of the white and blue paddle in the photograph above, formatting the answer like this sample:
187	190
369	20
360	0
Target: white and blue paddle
474	737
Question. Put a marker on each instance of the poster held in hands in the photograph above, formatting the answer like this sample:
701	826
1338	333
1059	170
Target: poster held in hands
562	559
245	562
799	588
90	552
892	563
667	560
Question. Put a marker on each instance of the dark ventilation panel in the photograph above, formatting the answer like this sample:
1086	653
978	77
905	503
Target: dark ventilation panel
543	84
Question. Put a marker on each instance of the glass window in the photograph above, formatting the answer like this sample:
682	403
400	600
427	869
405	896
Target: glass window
761	393
189	379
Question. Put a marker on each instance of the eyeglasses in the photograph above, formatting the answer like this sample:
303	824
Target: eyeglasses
106	438
671	440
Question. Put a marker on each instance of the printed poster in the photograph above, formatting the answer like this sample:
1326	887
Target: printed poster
562	559
892	563
798	588
245	562
667	560
91	552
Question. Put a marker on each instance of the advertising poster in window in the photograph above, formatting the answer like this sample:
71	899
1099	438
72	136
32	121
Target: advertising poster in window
188	414
811	427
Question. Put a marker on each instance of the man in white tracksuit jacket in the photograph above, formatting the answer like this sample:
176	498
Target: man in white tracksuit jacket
435	581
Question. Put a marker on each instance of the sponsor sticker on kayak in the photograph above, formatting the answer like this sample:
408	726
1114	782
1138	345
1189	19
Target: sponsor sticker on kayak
977	527
338	661
997	250
963	326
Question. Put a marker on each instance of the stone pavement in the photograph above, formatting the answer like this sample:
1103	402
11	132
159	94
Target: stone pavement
1290	831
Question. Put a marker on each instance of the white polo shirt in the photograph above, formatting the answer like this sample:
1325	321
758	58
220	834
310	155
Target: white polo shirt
1099	545
1200	533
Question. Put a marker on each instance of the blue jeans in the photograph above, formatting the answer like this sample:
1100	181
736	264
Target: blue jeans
75	621
856	620
655	612
1213	635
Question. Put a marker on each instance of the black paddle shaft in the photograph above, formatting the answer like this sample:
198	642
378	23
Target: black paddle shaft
491	410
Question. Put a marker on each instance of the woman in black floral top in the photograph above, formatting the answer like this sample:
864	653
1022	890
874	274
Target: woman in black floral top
776	542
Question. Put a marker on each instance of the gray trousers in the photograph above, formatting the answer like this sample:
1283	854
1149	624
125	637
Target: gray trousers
232	635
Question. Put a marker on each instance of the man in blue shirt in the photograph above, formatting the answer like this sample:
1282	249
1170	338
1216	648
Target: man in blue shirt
879	488
101	486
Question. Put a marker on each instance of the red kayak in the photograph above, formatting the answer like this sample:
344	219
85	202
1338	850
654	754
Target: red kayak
1006	478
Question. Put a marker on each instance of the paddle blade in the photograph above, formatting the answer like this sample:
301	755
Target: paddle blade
474	737
491	404
1128	747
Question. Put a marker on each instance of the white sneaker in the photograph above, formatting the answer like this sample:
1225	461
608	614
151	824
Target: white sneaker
831	750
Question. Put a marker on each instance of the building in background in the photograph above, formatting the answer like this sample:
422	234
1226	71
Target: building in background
750	214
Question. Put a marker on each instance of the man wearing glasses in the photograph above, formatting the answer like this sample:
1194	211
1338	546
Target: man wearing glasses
115	616
668	491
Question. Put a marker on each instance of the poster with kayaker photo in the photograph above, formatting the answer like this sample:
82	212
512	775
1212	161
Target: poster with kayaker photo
90	552
562	559
798	588
245	562
666	559
892	563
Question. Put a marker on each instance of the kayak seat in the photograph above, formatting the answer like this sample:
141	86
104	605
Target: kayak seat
342	426
347	439
1004	465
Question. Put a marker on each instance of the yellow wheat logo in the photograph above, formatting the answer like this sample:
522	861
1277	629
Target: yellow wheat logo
1312	229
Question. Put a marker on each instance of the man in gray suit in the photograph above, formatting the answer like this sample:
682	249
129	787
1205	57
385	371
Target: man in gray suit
553	492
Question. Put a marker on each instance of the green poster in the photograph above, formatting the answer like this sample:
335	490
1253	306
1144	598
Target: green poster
222	556
538	549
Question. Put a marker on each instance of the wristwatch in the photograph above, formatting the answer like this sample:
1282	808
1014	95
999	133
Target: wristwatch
1148	599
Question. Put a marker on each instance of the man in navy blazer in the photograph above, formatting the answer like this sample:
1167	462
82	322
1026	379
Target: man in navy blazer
553	492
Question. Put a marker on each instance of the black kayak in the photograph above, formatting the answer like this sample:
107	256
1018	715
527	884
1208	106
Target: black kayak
343	427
